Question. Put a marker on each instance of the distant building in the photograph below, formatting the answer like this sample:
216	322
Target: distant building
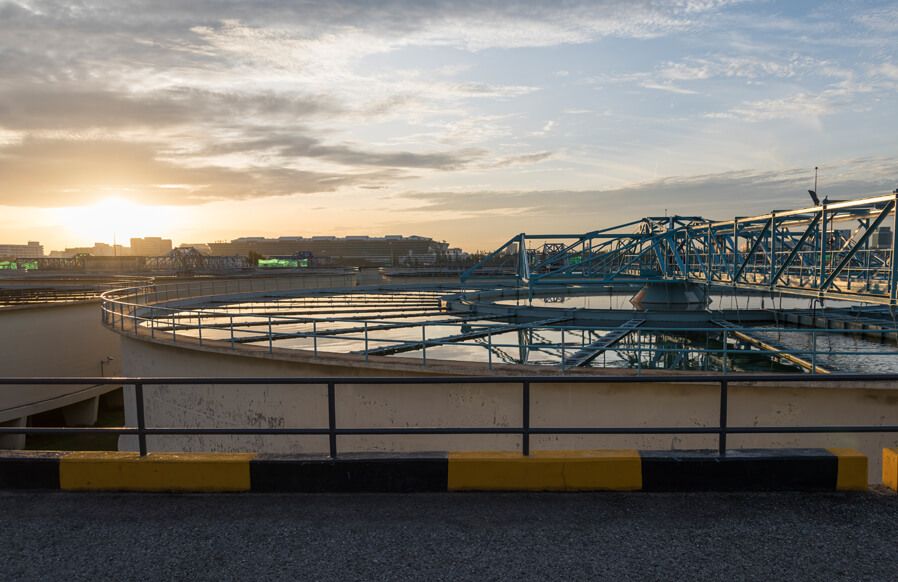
107	250
70	252
33	250
151	246
98	250
388	250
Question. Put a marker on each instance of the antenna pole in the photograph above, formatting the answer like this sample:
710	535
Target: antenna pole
815	178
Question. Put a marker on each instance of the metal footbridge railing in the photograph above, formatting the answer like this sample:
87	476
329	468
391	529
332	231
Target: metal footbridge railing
839	250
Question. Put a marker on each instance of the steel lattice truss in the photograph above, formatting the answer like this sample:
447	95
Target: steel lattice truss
826	251
191	260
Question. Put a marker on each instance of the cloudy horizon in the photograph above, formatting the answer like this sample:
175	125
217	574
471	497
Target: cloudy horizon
463	121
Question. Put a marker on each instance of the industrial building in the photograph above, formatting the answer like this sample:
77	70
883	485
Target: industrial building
33	250
387	250
151	246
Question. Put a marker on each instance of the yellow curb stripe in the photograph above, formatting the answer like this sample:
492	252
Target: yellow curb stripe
125	471
890	468
852	474
545	471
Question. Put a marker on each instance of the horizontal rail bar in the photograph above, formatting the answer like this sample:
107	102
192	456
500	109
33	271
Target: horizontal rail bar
536	379
453	430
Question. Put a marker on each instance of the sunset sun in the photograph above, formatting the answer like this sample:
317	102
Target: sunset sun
113	219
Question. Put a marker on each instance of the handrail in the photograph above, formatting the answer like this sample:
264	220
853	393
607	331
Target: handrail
525	429
152	310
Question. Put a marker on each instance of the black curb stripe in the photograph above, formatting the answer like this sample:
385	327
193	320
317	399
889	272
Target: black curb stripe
30	469
352	473
743	470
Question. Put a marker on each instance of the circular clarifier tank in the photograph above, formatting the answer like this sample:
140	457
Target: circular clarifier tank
565	329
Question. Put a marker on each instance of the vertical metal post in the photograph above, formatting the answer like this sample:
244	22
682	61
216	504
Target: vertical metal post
270	338
814	352
735	249
525	444
141	421
821	272
893	275
726	341
152	322
199	326
563	358
424	344
772	246
174	336
722	436
332	418
709	257
366	341
315	338
489	347
232	331
639	352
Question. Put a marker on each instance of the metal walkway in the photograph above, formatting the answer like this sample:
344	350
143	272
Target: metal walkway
417	345
800	252
590	352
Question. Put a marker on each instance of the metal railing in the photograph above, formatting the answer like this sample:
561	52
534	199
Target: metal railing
525	429
644	348
159	312
157	293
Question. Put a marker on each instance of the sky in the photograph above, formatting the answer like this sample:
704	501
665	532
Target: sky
465	121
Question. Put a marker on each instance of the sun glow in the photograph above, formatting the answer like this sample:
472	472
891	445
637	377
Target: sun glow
114	220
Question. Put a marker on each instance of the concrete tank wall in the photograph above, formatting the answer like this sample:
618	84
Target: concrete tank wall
477	405
65	339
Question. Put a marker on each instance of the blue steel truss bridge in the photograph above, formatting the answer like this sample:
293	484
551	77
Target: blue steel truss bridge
840	250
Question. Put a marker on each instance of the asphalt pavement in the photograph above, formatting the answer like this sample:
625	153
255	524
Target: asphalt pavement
448	536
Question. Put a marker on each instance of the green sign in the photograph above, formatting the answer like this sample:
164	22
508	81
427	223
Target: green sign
278	263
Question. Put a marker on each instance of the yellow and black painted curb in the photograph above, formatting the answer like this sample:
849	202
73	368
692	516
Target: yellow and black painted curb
615	470
890	468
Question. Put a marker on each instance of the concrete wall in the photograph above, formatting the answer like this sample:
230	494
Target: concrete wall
65	339
477	405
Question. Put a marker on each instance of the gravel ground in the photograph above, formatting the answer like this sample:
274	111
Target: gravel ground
460	536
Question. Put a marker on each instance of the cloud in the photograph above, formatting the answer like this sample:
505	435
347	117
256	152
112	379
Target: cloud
352	156
318	40
800	106
714	196
520	159
889	70
60	107
667	87
51	173
883	20
672	75
286	147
